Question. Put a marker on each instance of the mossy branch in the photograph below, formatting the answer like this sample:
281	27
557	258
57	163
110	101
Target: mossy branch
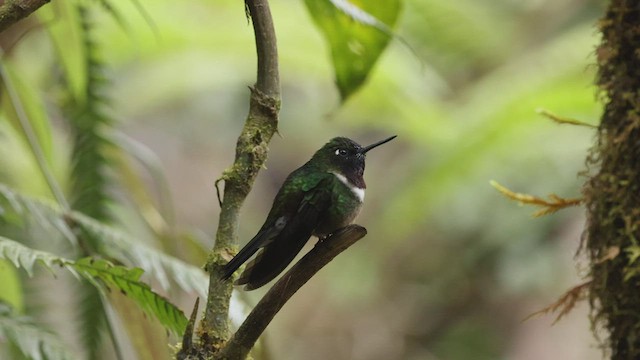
550	206
243	340
251	153
12	11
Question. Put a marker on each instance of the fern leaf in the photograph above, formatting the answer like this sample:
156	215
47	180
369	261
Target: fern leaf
87	115
111	241
91	317
33	340
128	282
24	257
124	279
19	210
164	267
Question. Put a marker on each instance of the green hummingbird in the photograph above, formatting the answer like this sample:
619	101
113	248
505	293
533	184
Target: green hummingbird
320	197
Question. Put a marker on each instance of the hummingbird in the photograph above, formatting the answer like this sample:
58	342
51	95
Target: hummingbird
320	197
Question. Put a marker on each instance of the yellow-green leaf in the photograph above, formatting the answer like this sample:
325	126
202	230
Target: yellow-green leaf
357	32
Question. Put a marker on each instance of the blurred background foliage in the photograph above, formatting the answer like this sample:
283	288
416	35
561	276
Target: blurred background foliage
449	268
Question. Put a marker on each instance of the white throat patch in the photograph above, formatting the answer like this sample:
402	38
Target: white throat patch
358	192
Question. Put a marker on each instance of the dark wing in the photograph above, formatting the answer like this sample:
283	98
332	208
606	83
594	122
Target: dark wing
283	248
262	238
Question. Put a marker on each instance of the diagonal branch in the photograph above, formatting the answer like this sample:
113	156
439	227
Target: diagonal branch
11	11
251	153
241	343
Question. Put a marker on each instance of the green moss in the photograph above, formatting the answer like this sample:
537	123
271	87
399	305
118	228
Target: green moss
613	194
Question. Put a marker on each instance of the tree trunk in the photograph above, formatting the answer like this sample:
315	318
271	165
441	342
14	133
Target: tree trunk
612	195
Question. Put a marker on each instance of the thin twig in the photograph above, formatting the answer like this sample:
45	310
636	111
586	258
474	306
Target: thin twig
563	120
11	11
187	338
241	343
251	154
268	79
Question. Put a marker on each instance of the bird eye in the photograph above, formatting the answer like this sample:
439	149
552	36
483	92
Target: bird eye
341	152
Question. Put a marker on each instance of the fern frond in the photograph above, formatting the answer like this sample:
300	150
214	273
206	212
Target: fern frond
118	245
19	210
89	180
87	115
101	272
24	257
32	339
91	318
111	241
128	282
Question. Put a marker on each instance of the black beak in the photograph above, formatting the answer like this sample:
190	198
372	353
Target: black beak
367	148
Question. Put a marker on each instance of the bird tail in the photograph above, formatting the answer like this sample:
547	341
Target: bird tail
243	255
270	262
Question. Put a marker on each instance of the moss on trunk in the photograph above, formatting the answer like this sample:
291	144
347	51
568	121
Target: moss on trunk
612	195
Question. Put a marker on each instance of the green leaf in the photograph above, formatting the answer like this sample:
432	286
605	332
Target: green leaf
128	282
357	31
30	338
21	103
99	272
11	286
31	121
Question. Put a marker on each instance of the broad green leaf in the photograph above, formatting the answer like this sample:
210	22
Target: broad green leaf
33	340
357	32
